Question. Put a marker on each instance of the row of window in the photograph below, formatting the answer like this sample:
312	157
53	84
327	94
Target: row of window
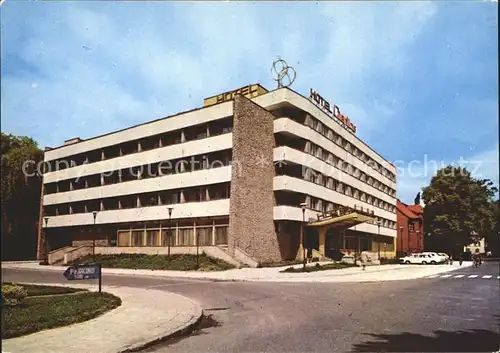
177	236
340	164
166	197
190	133
309	174
306	119
330	183
324	206
180	165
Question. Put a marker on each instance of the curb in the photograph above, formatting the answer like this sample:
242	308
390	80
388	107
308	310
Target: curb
181	332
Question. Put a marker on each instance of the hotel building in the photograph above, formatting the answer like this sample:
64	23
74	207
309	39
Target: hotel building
241	177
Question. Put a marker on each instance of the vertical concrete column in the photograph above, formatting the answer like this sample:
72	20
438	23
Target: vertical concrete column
139	147
101	206
183	136
103	157
102	179
322	240
251	222
137	201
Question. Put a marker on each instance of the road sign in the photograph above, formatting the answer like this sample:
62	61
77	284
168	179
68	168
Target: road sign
82	272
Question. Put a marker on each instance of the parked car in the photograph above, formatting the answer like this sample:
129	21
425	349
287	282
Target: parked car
422	258
411	259
433	258
446	257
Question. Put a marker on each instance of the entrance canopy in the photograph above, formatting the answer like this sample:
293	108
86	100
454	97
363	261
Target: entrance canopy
344	221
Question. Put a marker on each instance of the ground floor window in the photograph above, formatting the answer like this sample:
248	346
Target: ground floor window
137	237
124	238
168	237
152	237
186	237
204	236
221	235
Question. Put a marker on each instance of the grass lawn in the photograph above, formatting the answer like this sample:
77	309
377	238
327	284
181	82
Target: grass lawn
177	262
40	313
37	290
318	267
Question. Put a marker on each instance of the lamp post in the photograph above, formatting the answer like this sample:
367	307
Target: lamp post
401	230
379	222
94	214
45	242
303	206
169	228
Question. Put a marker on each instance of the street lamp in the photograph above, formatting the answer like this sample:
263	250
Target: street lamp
94	214
379	222
401	230
45	242
169	228
303	205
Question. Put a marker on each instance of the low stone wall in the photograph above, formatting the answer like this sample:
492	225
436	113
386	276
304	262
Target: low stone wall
242	257
58	254
76	253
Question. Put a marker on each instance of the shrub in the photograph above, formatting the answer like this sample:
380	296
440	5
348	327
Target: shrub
13	294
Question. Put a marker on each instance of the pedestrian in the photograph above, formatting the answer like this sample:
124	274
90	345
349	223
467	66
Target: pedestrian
364	259
460	259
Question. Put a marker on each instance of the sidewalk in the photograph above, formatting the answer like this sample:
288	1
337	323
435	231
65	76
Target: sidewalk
145	316
272	274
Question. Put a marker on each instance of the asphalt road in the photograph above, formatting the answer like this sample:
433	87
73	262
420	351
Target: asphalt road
425	315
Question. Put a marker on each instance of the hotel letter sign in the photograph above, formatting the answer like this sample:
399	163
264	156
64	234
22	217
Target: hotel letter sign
316	98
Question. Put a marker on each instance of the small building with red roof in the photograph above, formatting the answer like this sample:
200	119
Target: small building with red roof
410	226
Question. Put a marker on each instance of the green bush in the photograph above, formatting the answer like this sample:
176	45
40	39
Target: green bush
12	294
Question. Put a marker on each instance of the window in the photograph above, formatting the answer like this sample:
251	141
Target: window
137	237
204	235
168	236
123	238
152	238
186	236
411	227
221	235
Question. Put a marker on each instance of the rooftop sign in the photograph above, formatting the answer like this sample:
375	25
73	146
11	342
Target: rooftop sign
332	111
250	91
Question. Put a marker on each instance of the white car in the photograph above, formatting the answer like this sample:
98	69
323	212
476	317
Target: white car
411	259
445	257
434	257
422	258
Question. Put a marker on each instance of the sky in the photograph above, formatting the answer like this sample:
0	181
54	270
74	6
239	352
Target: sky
418	79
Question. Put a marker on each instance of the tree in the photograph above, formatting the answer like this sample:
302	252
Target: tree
20	196
457	206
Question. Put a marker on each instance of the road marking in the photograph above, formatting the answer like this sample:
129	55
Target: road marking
445	276
433	276
487	276
458	276
472	276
